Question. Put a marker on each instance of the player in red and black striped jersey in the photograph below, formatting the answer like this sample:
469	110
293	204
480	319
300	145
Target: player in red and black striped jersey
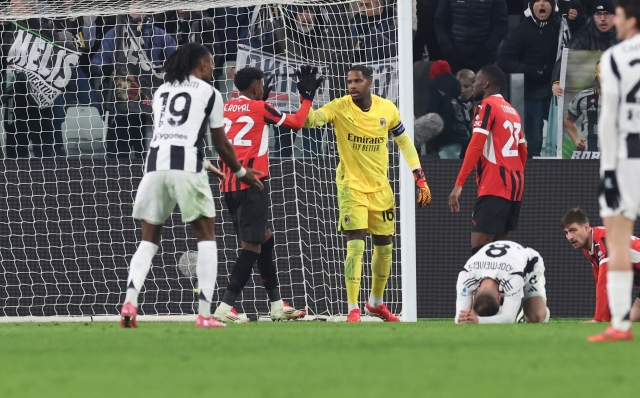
246	123
592	241
498	151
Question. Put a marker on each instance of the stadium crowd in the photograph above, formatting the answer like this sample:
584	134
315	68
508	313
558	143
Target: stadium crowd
114	63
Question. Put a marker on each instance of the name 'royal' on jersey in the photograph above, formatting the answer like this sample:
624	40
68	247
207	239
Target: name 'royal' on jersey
183	113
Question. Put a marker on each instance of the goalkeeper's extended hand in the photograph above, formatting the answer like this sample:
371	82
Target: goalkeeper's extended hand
609	188
308	83
267	88
424	193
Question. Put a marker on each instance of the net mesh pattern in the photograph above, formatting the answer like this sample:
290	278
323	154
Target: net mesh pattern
75	131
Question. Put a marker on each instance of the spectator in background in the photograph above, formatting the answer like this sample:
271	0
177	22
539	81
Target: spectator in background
303	36
426	32
443	94
469	32
374	31
597	35
130	59
28	97
231	24
188	27
572	9
586	105
76	34
466	77
531	49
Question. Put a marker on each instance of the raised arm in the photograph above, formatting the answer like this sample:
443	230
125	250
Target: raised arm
292	121
319	117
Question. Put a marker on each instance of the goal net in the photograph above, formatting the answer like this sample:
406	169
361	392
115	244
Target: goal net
76	79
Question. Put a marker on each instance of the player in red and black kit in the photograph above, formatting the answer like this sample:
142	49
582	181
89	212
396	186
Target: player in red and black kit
246	122
592	241
498	151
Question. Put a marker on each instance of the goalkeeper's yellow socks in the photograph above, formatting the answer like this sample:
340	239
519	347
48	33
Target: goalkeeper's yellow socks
380	269
138	270
353	271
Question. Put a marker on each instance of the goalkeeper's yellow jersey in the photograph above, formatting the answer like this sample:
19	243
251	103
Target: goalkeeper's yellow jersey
362	139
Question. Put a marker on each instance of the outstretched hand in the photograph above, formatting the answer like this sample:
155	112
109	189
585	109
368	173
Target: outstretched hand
308	83
267	88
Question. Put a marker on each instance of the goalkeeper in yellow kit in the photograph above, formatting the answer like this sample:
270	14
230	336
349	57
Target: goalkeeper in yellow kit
362	123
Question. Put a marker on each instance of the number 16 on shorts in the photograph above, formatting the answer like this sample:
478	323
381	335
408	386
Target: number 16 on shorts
388	215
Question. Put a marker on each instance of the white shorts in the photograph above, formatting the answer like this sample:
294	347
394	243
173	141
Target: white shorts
534	282
628	176
160	191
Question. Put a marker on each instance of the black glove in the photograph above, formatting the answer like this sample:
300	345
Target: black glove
609	188
267	88
307	81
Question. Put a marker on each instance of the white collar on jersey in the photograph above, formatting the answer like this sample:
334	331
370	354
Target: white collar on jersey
497	95
243	96
593	243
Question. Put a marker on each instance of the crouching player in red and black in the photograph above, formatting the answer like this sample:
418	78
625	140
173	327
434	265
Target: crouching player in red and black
246	122
498	151
592	241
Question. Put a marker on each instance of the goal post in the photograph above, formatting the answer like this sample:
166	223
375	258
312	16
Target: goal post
407	185
66	232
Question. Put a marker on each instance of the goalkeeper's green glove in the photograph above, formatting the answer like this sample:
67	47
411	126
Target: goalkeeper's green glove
307	81
424	193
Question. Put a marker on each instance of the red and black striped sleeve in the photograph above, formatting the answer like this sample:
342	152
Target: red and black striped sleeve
292	121
484	119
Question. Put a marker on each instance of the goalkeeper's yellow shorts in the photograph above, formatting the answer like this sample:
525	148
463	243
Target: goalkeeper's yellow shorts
374	212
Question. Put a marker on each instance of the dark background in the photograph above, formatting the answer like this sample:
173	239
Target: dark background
66	238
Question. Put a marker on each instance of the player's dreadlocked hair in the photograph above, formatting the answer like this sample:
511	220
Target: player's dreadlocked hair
246	76
186	58
366	72
486	303
574	216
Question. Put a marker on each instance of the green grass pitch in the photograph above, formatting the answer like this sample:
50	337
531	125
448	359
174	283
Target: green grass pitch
424	359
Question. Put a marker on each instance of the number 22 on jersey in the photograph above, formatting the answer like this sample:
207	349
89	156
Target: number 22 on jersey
242	127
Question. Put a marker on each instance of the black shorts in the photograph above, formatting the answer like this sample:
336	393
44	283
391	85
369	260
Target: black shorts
249	210
495	215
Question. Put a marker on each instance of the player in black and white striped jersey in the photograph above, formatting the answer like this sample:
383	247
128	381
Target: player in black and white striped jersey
184	108
619	141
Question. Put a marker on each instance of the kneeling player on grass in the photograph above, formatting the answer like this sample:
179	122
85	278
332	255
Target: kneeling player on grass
592	241
246	122
184	108
502	270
